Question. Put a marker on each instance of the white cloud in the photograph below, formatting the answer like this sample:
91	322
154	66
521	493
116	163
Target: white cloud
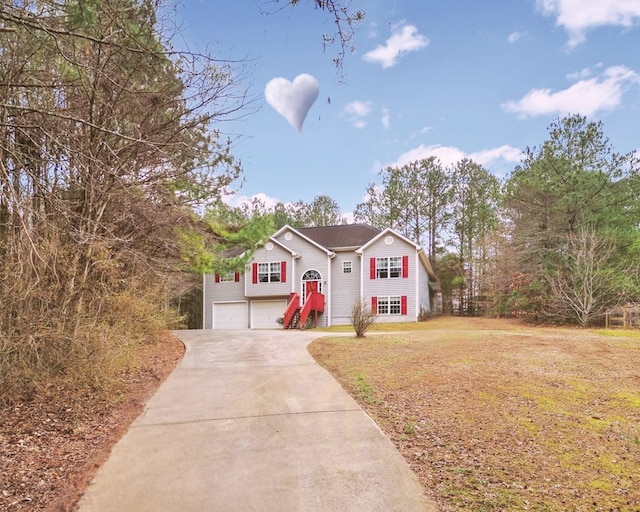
504	152
404	38
449	155
446	154
515	36
357	113
358	108
373	30
386	118
585	73
578	16
585	97
421	131
235	200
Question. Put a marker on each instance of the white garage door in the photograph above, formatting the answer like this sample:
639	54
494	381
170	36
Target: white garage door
230	315
264	313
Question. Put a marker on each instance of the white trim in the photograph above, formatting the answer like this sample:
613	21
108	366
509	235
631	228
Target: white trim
315	244
204	302
385	233
362	260
417	279
328	294
271	239
303	288
293	275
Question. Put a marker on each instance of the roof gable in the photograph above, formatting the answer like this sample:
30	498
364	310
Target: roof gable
341	236
289	230
387	231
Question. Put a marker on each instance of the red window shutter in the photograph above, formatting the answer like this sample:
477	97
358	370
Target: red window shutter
372	268
283	272
217	278
254	273
374	305
236	277
403	305
405	267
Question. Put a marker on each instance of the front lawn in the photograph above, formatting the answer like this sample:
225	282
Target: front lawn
496	415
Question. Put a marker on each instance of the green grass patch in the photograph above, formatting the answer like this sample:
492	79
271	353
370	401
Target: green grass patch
364	387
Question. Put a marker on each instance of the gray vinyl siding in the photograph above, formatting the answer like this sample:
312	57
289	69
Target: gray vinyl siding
345	290
219	292
311	258
397	286
424	301
263	255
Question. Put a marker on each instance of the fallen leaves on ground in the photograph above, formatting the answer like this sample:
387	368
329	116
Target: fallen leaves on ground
52	445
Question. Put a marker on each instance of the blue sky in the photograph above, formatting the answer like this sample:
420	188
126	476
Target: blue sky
454	79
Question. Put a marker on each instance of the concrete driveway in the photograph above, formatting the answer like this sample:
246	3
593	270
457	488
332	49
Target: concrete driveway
249	422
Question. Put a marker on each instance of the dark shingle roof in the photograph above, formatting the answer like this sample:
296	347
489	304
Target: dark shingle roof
340	236
233	252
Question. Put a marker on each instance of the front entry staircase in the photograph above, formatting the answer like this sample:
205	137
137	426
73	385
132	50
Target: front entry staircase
295	317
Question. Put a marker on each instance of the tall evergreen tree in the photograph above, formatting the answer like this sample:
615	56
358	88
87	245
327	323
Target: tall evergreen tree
474	217
572	185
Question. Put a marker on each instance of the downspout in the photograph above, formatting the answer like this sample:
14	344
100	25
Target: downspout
330	256
204	302
417	274
293	274
361	275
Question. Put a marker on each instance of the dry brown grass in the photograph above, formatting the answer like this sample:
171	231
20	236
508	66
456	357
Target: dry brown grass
496	415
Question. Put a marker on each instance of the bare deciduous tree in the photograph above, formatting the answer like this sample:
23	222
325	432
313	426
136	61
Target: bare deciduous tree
588	280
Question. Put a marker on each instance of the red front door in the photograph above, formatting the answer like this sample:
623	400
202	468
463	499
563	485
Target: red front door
311	286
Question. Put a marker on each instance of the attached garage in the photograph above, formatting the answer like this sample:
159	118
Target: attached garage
230	315
264	313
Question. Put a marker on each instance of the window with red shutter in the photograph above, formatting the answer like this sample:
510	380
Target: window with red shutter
283	272
405	267
372	268
254	272
403	305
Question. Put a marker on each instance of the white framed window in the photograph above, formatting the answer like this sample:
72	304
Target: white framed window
394	306
228	277
395	266
382	268
346	267
388	267
269	272
389	305
383	305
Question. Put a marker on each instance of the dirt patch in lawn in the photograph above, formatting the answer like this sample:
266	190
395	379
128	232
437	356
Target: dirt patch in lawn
52	446
496	415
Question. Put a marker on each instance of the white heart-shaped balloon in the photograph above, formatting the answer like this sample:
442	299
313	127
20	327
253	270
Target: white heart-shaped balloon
292	100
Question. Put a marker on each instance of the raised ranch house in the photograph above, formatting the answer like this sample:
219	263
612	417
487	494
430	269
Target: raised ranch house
315	275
